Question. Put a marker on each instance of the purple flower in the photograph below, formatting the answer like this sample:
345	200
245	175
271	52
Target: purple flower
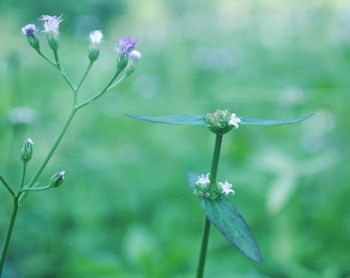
29	30
126	45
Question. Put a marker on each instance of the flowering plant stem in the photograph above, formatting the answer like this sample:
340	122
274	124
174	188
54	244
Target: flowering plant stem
19	195
206	231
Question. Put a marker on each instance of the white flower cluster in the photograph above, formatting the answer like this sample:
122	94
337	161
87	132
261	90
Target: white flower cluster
205	189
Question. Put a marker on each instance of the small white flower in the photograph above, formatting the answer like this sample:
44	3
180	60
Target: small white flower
51	24
203	181
234	120
95	37
226	187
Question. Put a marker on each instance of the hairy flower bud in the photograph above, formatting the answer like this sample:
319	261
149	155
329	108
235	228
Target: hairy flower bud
134	58
30	31
95	41
57	179
27	150
124	48
222	121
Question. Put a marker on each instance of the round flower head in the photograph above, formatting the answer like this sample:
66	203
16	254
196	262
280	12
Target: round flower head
124	48
222	121
29	30
51	24
126	45
95	37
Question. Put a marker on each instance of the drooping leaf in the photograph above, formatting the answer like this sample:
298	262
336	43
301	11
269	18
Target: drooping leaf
249	121
232	226
197	120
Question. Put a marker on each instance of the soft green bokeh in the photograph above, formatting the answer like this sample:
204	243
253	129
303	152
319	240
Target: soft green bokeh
125	209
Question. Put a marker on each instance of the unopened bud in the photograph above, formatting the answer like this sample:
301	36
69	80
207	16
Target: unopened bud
95	41
30	31
57	179
134	58
27	150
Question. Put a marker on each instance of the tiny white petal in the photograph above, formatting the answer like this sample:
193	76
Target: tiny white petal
203	181
234	120
226	187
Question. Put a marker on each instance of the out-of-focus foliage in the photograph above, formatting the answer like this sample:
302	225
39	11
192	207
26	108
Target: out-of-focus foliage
125	209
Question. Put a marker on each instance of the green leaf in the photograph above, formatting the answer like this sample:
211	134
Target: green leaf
247	121
232	226
197	120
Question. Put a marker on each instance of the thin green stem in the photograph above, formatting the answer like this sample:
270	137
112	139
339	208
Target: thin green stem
7	186
46	58
216	156
51	152
57	60
36	188
84	76
24	170
203	254
99	94
206	231
117	82
8	234
57	66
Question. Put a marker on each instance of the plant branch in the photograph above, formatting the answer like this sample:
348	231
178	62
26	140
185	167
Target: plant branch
7	186
8	234
84	76
99	94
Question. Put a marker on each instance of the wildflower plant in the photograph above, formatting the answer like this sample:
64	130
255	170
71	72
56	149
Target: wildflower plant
126	61
213	193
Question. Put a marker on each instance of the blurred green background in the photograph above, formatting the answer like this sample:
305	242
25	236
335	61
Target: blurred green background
125	209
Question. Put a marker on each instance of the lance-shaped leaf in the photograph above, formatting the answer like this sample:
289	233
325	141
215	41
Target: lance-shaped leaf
198	120
232	226
249	121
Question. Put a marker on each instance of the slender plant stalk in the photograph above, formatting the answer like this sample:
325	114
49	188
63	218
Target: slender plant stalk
206	231
8	234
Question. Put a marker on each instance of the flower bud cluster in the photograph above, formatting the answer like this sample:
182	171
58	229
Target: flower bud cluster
206	190
127	56
222	121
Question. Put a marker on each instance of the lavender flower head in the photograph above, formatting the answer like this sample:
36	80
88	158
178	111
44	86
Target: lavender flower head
29	30
51	24
126	45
